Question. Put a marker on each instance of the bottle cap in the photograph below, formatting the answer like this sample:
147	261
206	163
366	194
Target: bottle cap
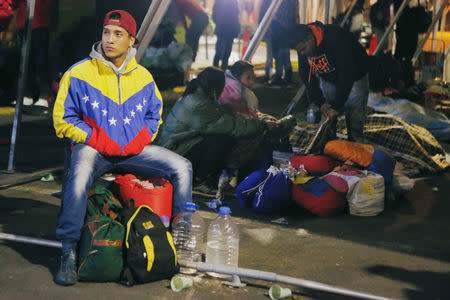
224	210
190	207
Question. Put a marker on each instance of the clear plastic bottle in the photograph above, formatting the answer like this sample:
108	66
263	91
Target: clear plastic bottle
312	114
188	231
222	245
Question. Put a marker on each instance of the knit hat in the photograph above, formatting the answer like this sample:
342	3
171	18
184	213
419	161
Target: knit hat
126	21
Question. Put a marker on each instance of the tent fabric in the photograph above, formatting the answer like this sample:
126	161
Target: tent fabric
412	145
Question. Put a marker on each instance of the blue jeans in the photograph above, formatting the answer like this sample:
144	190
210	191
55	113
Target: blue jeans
354	108
86	165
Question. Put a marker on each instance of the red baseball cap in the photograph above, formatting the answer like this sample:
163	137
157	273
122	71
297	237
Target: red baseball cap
126	21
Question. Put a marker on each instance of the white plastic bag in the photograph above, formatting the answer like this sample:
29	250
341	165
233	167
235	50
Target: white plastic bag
366	197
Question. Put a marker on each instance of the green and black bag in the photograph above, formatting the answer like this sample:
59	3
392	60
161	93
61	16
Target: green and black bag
101	245
150	252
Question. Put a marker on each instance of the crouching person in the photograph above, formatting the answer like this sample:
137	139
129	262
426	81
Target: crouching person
201	131
110	107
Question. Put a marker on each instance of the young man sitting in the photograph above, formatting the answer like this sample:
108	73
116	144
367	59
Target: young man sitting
110	107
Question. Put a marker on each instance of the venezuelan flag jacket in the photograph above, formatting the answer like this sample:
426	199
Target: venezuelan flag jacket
115	111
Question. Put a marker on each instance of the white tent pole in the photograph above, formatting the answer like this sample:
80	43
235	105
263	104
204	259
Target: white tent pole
148	18
153	26
262	29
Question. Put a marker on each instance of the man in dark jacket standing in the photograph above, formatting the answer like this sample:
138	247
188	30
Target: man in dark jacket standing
334	67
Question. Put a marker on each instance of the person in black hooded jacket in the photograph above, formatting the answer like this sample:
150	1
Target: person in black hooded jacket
334	67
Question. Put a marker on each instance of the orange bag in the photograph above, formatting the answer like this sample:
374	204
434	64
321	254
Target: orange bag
345	150
159	199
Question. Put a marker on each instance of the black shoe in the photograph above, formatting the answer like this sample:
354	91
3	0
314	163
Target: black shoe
67	274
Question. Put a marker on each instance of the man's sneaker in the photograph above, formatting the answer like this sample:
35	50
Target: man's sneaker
203	189
41	102
26	101
67	274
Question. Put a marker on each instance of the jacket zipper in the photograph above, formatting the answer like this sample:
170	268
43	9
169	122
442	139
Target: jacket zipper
120	106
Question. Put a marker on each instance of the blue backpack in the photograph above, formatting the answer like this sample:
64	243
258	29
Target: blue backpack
265	192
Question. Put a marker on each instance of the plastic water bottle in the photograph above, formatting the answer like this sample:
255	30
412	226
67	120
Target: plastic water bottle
188	231
311	114
222	247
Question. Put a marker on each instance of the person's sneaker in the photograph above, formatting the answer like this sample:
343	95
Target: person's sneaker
26	101
41	102
203	189
67	274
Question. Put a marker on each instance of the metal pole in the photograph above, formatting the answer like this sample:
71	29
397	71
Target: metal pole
391	26
349	11
148	35
25	51
435	30
148	19
270	276
29	240
261	30
327	11
206	35
295	100
425	37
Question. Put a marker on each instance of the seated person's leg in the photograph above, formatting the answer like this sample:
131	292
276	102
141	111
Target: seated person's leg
355	110
207	157
156	161
86	164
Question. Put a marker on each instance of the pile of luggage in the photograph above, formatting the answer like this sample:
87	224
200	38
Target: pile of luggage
346	175
126	240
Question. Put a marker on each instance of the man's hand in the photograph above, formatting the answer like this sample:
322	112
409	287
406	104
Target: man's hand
328	111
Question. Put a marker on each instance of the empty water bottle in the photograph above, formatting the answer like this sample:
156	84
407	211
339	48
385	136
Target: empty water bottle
188	231
311	114
222	247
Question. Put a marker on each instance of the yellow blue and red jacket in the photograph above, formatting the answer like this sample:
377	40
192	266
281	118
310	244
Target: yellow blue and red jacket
116	114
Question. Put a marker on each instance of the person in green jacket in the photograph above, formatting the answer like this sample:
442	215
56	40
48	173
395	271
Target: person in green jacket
200	130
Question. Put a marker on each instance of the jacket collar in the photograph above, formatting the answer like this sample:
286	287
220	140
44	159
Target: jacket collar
128	65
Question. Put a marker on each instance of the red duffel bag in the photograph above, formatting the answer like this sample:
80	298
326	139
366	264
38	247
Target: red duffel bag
315	165
318	197
159	198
